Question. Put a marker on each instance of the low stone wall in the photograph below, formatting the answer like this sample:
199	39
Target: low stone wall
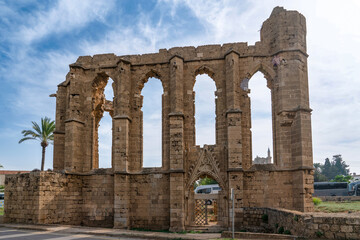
58	198
22	198
86	199
308	225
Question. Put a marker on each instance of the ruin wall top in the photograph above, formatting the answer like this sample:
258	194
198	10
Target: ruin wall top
276	36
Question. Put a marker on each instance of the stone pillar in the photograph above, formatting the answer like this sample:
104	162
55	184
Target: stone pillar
284	34
233	114
121	146
176	121
176	84
73	147
74	129
59	133
121	119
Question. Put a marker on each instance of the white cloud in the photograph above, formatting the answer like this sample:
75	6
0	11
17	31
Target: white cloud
333	45
64	16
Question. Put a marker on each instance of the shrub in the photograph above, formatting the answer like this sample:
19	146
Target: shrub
316	201
287	232
296	218
319	234
281	230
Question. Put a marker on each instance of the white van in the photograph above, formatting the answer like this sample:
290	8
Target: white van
208	189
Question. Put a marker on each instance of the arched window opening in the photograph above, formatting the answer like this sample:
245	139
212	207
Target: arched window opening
206	191
261	120
152	123
205	129
105	127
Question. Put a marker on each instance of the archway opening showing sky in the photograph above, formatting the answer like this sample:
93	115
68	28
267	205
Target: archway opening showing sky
152	123
204	110
261	120
105	131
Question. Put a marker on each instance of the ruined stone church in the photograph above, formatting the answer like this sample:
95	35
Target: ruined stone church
127	195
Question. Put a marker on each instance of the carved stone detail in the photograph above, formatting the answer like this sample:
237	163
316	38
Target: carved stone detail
206	165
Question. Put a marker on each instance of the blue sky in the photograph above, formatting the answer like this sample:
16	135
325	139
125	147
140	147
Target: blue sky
39	39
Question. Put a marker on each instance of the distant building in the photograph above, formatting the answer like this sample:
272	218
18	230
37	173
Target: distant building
356	177
5	172
263	160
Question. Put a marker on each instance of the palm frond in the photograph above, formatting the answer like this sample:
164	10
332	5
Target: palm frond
30	132
48	128
26	138
36	128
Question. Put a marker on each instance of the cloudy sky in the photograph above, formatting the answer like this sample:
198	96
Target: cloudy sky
39	39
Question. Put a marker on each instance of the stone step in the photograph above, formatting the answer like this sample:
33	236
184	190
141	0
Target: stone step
206	228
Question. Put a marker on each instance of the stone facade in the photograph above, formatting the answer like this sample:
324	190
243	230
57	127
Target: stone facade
130	196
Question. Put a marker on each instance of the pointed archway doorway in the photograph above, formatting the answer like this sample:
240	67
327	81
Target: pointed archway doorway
206	204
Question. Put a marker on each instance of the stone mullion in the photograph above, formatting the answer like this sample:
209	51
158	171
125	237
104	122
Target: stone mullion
176	122
59	133
74	128
293	120
121	146
233	114
121	119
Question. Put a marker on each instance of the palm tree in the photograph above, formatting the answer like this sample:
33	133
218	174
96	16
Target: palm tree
43	134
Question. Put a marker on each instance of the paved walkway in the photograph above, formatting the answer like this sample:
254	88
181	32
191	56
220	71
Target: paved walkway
65	232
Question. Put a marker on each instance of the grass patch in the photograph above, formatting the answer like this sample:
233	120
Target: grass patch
334	207
1	211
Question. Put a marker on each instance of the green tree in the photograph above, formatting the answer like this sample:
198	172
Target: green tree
330	169
342	178
318	176
204	181
340	166
327	170
43	134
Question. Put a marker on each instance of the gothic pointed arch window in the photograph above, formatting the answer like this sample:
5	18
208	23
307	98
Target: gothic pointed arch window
102	113
152	122
205	107
261	119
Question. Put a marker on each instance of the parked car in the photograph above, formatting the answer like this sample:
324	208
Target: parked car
208	189
2	196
